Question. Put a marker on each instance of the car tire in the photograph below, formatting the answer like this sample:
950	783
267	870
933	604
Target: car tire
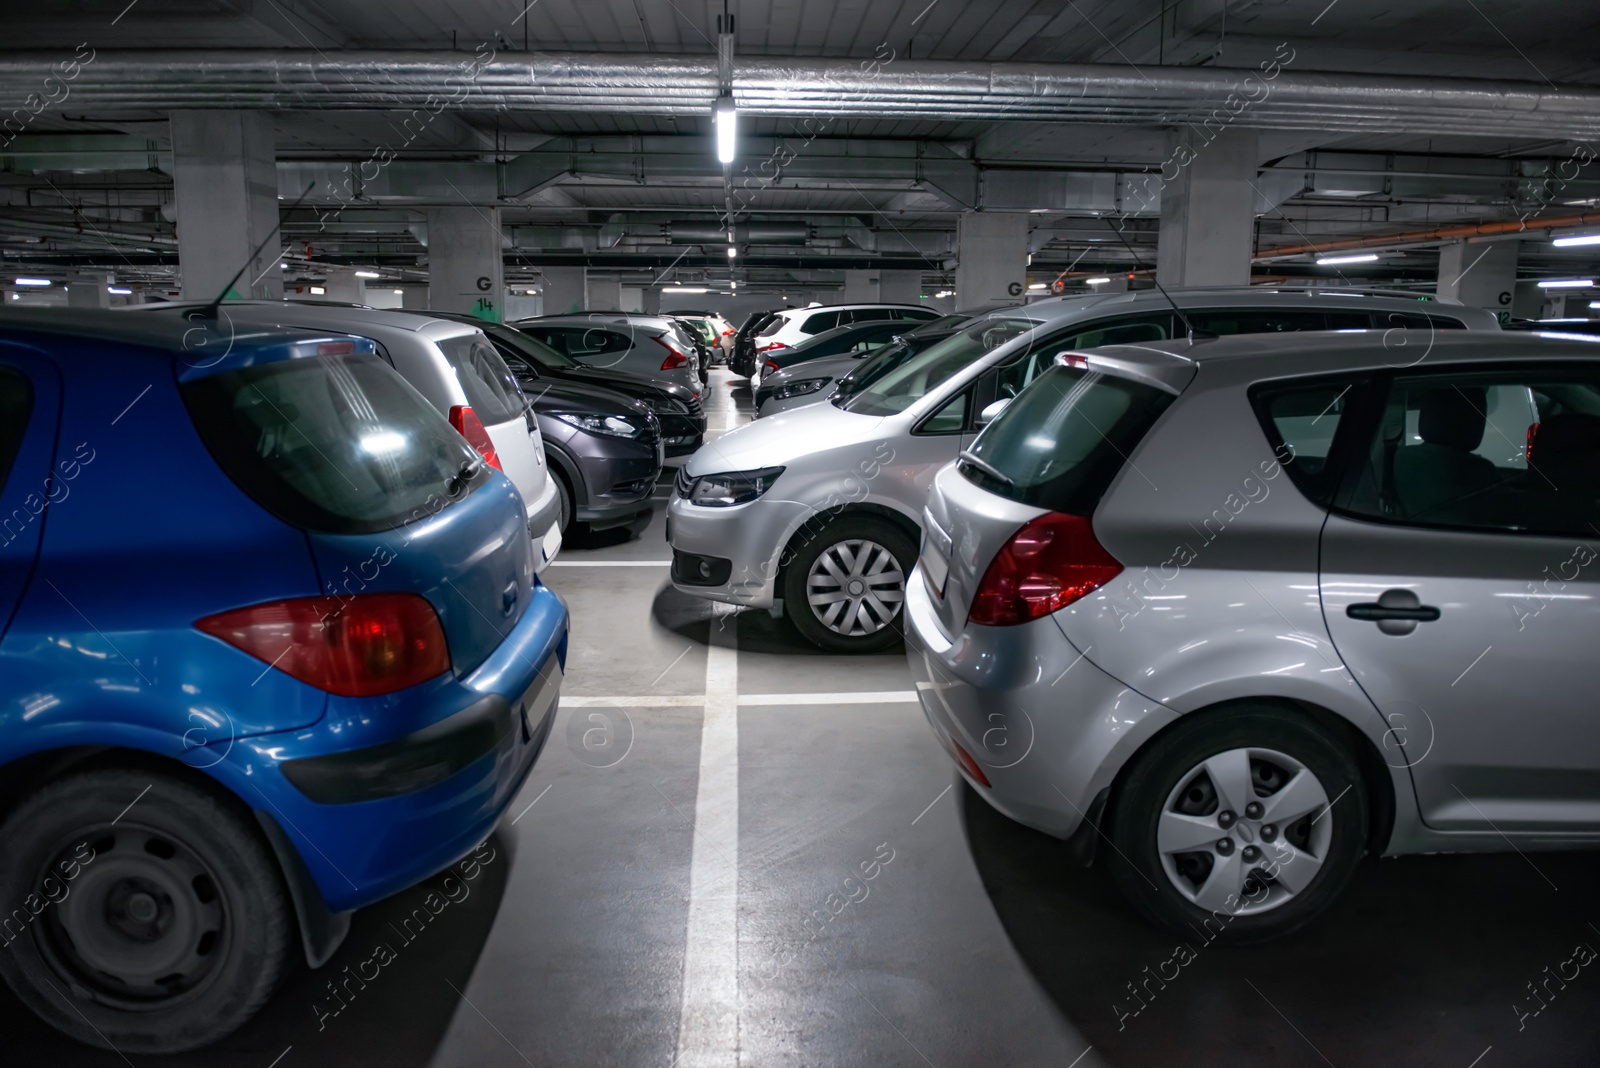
564	496
1169	799
156	918
831	557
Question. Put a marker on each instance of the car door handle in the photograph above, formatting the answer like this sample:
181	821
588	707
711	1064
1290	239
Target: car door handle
1373	612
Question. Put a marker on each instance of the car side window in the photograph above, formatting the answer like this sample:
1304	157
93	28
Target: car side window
1016	375
1222	322
816	324
595	342
951	418
1302	421
488	384
1503	451
16	403
872	315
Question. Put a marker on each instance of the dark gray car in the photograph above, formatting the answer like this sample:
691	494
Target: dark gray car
604	450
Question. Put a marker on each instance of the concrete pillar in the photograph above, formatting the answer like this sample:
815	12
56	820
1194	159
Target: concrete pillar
464	264
225	185
1480	275
860	287
1208	210
993	264
414	298
343	285
650	301
89	292
632	299
900	287
562	289
602	293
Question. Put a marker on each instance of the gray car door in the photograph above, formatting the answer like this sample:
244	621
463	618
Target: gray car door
1460	583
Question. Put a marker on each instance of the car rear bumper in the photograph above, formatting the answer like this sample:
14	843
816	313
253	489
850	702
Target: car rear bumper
543	513
1046	727
384	792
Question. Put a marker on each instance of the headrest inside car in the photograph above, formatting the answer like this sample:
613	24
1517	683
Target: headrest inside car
1453	417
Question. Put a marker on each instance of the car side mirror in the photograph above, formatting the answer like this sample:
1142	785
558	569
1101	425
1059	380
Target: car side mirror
993	409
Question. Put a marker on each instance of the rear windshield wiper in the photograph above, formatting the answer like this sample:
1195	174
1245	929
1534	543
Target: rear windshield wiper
987	468
465	474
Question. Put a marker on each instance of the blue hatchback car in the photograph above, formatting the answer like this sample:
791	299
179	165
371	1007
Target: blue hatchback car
271	648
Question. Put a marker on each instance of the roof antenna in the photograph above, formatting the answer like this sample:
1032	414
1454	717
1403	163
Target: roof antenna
1188	327
210	310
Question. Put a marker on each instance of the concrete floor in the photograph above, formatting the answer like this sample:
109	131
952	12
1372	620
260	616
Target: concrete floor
974	941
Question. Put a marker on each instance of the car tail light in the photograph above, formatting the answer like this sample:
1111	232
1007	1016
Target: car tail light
772	367
964	758
1533	432
674	360
771	346
1051	562
469	426
360	646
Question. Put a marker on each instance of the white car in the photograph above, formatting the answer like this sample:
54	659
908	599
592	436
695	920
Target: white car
818	512
459	372
791	326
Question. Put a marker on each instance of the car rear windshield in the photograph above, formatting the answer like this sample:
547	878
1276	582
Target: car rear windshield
335	444
902	387
491	389
536	352
1063	440
772	327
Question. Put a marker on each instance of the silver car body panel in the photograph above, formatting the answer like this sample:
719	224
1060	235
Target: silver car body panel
643	356
832	368
1235	585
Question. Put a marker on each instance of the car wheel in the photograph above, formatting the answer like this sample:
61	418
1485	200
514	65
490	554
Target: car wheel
564	496
1238	826
845	587
148	916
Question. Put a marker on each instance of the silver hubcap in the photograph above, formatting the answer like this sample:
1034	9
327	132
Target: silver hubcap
855	587
1244	831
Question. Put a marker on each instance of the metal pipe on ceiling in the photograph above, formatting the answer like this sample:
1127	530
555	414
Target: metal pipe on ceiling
1529	225
425	83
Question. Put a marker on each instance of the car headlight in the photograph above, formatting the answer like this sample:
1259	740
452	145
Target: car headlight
728	488
799	388
612	426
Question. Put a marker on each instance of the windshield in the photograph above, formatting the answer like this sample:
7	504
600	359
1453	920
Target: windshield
897	389
542	356
488	384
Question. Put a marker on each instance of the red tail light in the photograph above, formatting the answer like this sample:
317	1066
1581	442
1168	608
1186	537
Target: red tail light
674	360
361	646
964	758
1051	562
469	426
772	367
770	346
1533	432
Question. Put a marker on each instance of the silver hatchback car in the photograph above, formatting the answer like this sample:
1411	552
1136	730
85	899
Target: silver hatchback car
1248	609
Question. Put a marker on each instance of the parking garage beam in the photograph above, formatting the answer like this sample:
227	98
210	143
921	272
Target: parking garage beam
464	261
225	185
1208	209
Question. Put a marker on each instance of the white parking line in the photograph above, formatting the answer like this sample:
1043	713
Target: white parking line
611	563
708	1022
688	700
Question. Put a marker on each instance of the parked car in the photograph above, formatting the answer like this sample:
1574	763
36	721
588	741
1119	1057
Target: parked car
830	549
605	453
859	338
720	332
790	327
1262	672
706	330
816	379
643	345
273	649
448	361
536	365
742	360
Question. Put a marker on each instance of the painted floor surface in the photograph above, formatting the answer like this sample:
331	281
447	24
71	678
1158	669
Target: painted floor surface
827	892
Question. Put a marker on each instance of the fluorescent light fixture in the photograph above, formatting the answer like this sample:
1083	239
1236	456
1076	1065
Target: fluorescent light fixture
33	281
682	289
727	129
1576	239
317	291
1039	285
1095	281
732	252
1554	283
1594	304
1360	257
530	292
368	274
119	292
733	285
283	266
399	292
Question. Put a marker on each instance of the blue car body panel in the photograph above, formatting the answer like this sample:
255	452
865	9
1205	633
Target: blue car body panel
104	582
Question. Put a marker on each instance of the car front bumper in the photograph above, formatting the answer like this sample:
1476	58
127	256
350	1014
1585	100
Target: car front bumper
1046	727
618	478
750	536
384	792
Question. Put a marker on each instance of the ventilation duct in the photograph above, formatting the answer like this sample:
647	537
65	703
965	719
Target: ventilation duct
427	83
692	232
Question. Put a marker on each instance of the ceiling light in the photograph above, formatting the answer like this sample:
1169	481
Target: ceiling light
399	292
317	291
1554	283
1360	257
367	274
1594	304
33	281
682	289
732	252
727	129
733	285
530	292
118	292
1577	239
1095	281
1038	285
283	266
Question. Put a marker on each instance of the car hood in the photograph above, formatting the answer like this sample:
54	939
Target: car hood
549	396
779	439
633	385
